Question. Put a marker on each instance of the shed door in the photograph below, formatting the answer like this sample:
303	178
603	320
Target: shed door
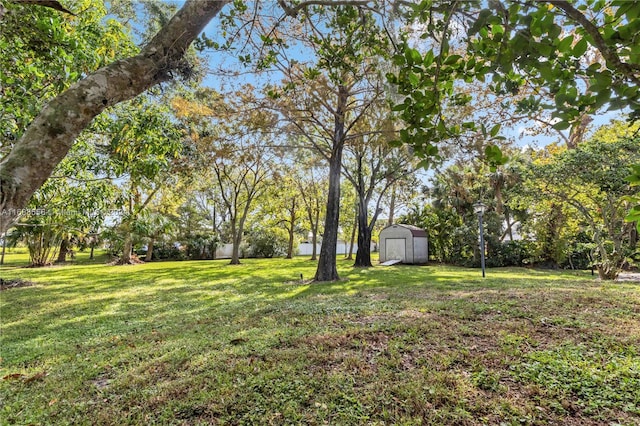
395	249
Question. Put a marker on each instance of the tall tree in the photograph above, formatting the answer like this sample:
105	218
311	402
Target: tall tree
232	141
324	98
592	180
372	166
68	206
241	172
50	135
285	206
143	143
311	181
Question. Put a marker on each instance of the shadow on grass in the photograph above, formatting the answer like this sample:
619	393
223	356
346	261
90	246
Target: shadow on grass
92	297
122	337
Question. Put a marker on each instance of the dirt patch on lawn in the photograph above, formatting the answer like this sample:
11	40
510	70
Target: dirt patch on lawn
15	283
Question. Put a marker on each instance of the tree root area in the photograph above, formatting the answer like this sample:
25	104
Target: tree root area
15	283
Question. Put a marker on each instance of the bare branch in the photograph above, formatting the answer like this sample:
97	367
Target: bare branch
294	10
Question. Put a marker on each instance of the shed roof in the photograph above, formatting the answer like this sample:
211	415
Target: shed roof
415	231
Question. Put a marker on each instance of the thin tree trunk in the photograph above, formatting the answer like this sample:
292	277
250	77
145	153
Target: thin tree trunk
509	230
499	202
93	245
314	236
235	244
579	130
633	235
235	252
214	245
392	206
4	248
314	248
352	241
291	229
290	245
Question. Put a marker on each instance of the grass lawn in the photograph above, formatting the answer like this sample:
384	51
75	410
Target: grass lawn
197	343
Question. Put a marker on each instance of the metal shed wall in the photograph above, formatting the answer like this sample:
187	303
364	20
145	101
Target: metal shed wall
415	243
420	250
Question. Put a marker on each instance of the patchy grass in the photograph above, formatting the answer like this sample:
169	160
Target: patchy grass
191	343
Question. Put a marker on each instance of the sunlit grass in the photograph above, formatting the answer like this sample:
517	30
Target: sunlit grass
206	342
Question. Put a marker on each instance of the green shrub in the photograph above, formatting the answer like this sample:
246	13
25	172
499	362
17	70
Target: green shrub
267	242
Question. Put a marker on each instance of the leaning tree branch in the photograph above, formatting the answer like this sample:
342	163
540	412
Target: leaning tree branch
49	137
51	4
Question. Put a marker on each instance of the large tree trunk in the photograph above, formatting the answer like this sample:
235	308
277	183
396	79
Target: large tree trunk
236	238
62	254
149	256
363	255
291	230
126	250
51	134
609	264
327	267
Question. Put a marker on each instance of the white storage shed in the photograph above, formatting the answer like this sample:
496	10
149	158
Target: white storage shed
406	243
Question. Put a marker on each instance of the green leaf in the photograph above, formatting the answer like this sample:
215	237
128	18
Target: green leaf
564	45
428	59
497	29
580	48
412	56
562	125
424	164
414	79
634	177
634	216
452	59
